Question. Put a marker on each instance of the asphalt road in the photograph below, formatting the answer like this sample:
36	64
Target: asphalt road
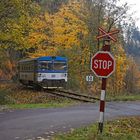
33	123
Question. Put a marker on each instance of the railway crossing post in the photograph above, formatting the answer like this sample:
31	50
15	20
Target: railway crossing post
106	47
103	65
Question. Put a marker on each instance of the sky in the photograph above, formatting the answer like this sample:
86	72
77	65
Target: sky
134	7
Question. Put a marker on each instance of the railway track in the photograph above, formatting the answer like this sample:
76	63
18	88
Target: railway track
71	95
68	94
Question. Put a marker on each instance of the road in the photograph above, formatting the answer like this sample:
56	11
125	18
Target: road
33	123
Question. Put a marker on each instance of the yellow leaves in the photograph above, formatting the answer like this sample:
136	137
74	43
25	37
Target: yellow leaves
35	38
75	4
66	27
117	80
48	18
39	35
38	23
60	30
85	56
45	51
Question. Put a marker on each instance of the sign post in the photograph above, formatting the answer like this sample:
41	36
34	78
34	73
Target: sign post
103	65
102	98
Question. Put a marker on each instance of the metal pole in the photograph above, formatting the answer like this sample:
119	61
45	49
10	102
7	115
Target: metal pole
106	47
102	105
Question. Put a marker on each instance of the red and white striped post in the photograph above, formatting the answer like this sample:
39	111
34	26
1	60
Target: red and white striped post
102	105
107	36
106	47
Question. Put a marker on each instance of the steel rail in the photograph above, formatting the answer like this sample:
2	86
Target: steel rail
71	95
81	95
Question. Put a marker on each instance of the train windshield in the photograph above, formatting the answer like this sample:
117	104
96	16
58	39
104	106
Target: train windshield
45	65
58	65
52	65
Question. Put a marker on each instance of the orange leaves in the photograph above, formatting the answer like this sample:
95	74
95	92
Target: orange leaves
6	70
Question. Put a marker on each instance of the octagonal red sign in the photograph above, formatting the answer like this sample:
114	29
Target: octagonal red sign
103	64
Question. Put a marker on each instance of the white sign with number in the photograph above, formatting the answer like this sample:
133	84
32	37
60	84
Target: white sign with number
89	78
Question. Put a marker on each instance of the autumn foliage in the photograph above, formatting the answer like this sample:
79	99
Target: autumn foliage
71	30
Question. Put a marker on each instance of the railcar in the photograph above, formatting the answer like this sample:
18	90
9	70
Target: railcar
46	72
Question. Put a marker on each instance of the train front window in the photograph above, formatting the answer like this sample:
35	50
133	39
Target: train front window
45	65
59	65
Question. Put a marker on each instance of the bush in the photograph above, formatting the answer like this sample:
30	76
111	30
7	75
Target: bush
3	97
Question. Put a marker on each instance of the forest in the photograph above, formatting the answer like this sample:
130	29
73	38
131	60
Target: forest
33	28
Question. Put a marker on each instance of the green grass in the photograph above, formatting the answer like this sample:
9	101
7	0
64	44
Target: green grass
40	105
122	129
126	97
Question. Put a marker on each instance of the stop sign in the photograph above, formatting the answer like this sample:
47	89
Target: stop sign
102	64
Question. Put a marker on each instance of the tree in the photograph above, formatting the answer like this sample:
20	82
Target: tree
51	6
15	17
117	81
132	79
132	42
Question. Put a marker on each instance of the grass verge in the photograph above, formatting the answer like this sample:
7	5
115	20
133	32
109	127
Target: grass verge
15	97
121	129
126	97
41	105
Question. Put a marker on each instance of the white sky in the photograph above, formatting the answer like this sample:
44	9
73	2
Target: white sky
134	7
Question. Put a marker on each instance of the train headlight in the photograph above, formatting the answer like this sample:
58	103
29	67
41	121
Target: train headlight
39	75
64	75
